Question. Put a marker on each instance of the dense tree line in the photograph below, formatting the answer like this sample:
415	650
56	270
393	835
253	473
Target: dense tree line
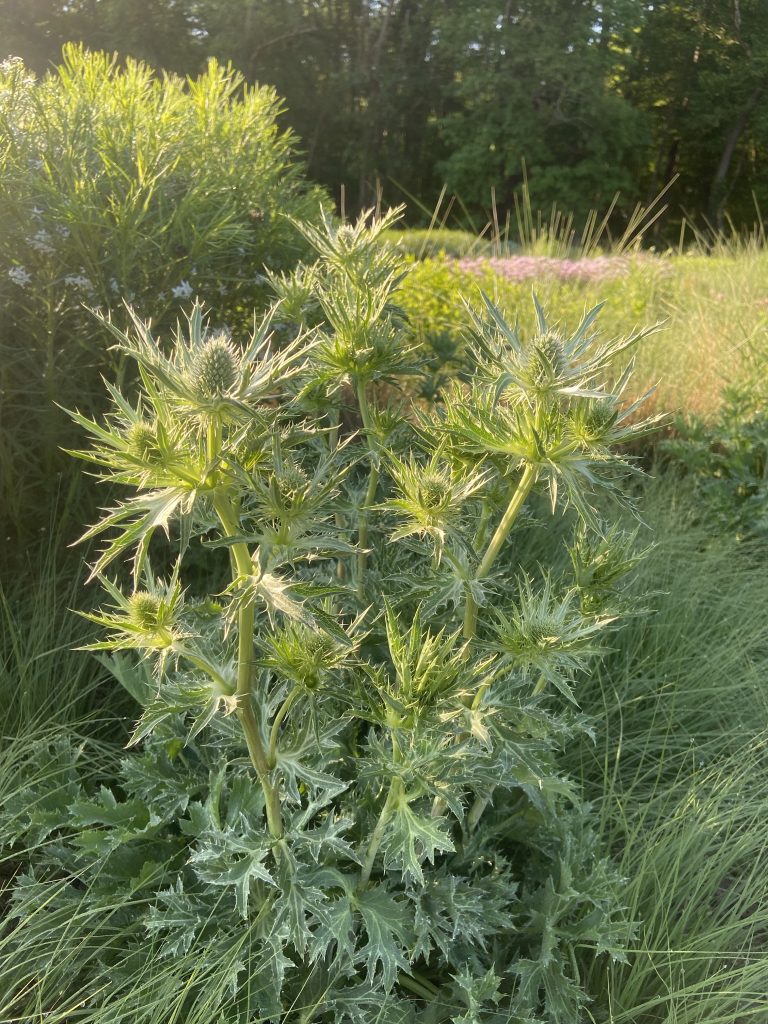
405	96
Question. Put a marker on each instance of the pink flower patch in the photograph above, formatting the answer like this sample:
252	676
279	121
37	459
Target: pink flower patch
523	268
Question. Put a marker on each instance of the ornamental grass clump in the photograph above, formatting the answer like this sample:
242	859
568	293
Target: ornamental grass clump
346	803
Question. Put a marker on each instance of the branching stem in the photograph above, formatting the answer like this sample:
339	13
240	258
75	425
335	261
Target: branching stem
373	483
204	666
395	789
523	489
278	721
229	519
418	985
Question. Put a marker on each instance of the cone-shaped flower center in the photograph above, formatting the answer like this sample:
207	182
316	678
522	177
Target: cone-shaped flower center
142	440
144	609
216	367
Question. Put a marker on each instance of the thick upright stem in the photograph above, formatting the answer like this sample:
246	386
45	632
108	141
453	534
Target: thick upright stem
259	760
278	721
245	622
373	483
393	796
523	489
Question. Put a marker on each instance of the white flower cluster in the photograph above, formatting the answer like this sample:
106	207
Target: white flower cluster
41	241
182	291
79	281
20	276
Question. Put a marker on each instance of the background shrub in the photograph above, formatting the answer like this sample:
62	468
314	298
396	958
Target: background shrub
117	184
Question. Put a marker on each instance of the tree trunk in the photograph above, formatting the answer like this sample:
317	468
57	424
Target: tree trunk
717	192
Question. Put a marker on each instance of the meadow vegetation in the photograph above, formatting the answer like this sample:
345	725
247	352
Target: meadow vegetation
714	308
436	706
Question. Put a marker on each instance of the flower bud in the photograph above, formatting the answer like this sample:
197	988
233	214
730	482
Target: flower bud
144	610
142	441
546	360
433	492
216	366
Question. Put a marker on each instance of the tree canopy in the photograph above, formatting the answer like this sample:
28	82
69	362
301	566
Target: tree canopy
402	97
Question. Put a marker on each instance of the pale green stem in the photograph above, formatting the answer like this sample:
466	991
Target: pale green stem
212	439
419	986
481	692
204	666
333	444
373	483
482	526
476	811
449	556
523	489
395	789
245	623
278	721
333	433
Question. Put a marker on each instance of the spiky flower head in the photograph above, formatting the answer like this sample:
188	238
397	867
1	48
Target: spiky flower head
296	292
545	361
306	656
430	496
548	636
291	481
141	440
216	366
203	374
592	421
146	620
434	491
144	609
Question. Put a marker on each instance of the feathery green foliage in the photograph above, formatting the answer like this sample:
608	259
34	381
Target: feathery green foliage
678	774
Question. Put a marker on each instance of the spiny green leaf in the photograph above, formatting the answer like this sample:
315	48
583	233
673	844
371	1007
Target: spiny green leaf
389	931
411	839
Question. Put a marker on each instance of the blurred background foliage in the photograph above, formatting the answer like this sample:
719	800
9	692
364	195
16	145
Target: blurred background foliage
397	98
119	185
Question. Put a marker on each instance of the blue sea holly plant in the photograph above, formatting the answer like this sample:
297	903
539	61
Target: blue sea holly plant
342	800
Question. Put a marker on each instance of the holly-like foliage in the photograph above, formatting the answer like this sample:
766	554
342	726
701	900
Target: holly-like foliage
345	804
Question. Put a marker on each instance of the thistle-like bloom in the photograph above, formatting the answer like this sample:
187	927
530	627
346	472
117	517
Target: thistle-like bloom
547	637
216	367
548	403
307	656
430	667
430	496
205	374
146	620
296	292
201	406
150	620
364	337
550	364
